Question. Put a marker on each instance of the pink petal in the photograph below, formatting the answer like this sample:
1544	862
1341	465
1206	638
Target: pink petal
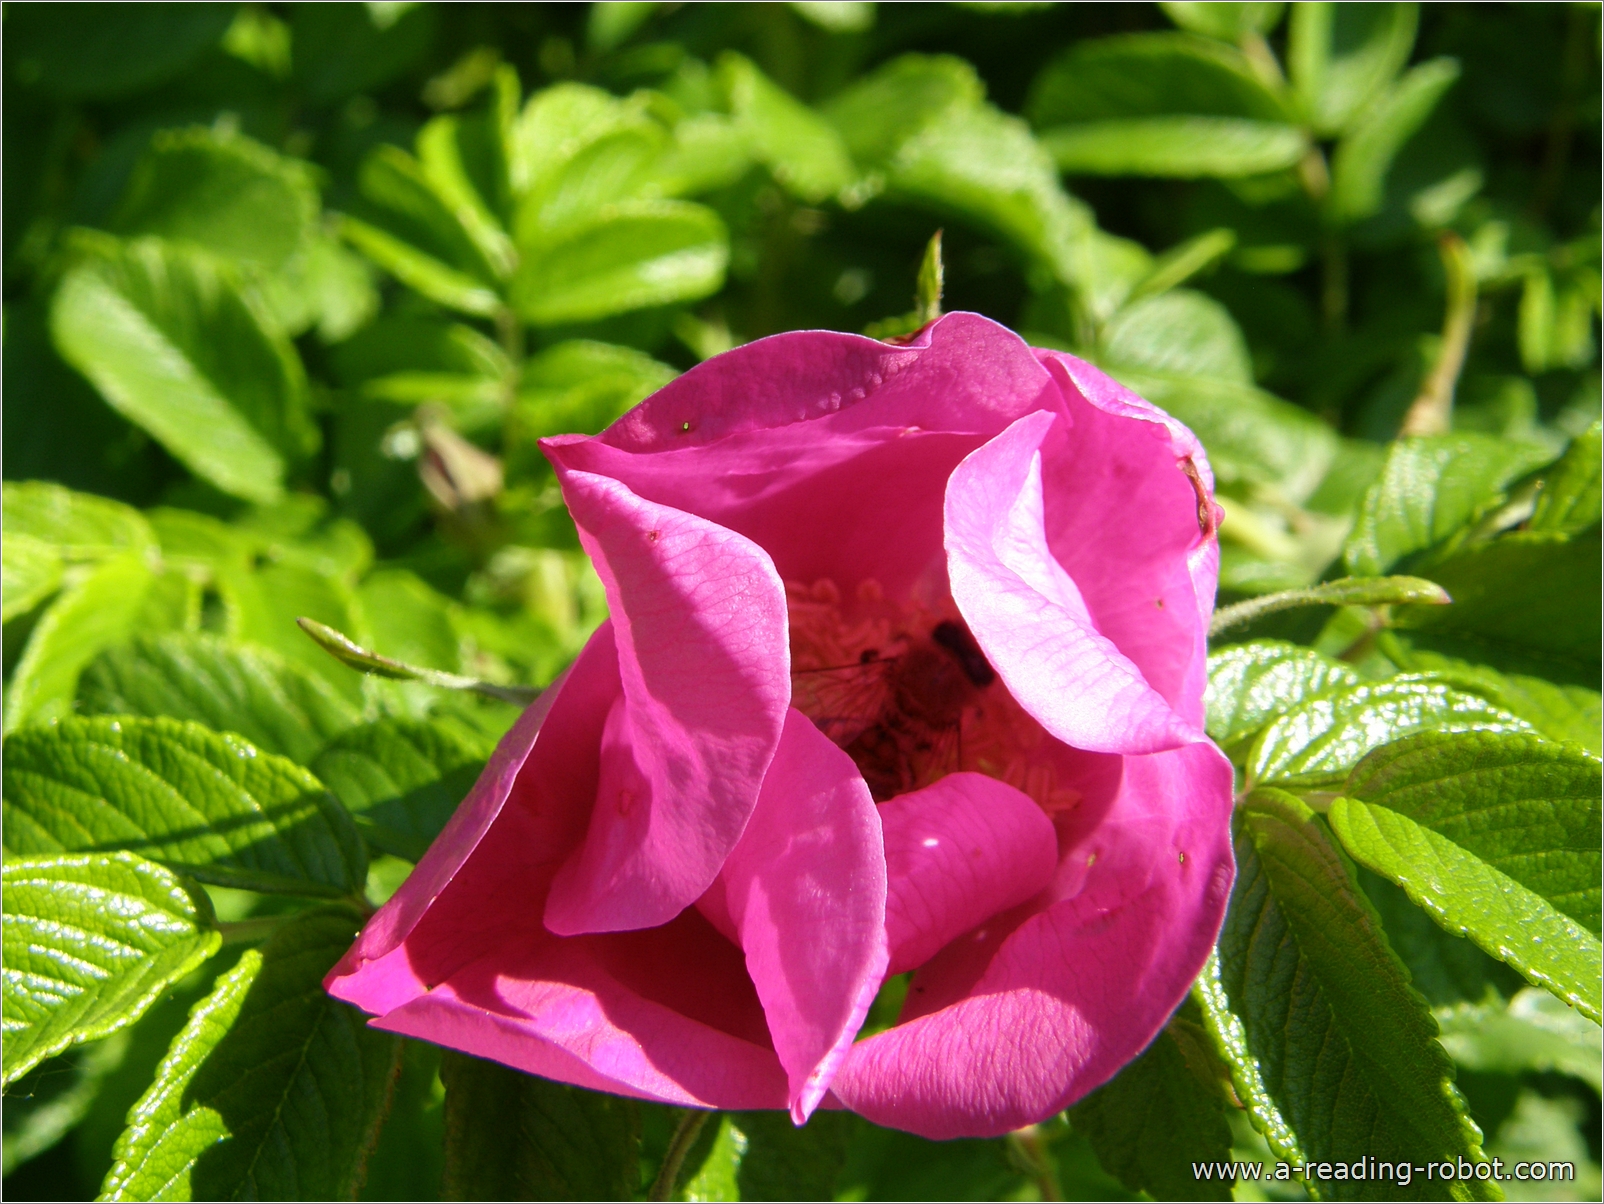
1070	994
1146	572
962	373
957	853
700	620
534	796
666	1015
806	891
1028	614
795	438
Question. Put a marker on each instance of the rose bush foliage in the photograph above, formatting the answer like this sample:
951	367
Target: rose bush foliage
671	882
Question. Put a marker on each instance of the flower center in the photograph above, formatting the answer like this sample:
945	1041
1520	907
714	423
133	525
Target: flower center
904	689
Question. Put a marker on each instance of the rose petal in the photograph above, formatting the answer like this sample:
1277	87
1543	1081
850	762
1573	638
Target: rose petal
1148	576
700	622
1028	615
524	815
1075	991
957	853
666	1015
806	891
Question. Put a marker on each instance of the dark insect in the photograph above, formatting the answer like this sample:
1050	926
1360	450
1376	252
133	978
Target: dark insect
900	717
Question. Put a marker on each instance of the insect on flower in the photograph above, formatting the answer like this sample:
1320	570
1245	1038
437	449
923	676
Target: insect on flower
900	713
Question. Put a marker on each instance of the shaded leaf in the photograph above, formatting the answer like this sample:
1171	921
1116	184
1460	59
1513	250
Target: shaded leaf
174	346
784	1162
267	602
513	1136
91	941
208	804
1535	1032
224	192
1364	156
1155	1119
878	112
277	706
1429	487
116	50
1525	603
1344	1045
273	1090
420	271
401	780
1570	497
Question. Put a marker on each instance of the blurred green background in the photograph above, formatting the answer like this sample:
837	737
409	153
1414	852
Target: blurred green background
305	283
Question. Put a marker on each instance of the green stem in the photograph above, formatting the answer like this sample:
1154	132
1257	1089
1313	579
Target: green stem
690	1128
1432	408
1038	1163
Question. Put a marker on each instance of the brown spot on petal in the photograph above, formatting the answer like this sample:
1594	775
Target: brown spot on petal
1208	513
653	536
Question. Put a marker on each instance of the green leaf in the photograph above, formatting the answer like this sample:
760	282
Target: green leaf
1251	436
30	569
420	271
987	167
277	706
121	51
1158	1117
708	151
223	192
430	210
1346	1046
1535	1032
453	151
1228	1031
627	256
1429	487
1570	498
401	780
1342	56
577	385
267	602
97	611
512	1136
1527	807
1364	156
90	943
210	805
1226	21
1180	147
173	345
407	1162
1150	75
273	1090
557	125
784	1162
1250	684
801	148
1320	739
1179	332
1445	968
1466	895
878	112
1525	604
411	623
1560	712
715	1178
81	526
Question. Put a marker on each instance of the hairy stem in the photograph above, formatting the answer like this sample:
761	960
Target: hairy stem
690	1128
1430	411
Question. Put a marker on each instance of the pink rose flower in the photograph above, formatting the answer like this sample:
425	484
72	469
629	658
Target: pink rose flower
905	672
